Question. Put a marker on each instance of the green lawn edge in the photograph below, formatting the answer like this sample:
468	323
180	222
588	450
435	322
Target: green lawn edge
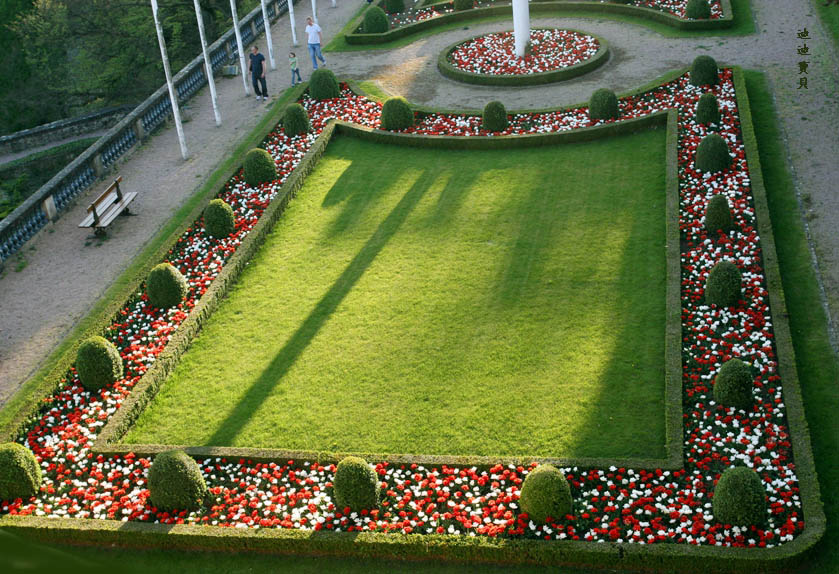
741	24
22	406
816	361
829	16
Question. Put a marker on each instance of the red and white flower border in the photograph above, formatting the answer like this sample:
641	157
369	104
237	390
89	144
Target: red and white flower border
611	504
675	7
495	55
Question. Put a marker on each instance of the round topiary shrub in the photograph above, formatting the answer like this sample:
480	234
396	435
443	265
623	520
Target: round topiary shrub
394	6
98	363
397	114
175	482
603	105
723	288
463	5
165	286
733	385
545	493
323	85
718	214
295	120
259	167
712	154
698	10
219	220
495	117
708	109
740	498
375	21
703	71
20	475
355	484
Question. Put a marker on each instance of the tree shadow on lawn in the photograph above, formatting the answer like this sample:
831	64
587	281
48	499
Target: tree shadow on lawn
238	418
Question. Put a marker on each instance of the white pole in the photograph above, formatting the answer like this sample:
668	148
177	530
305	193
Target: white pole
290	4
208	67
521	25
268	35
239	46
173	94
334	4
314	12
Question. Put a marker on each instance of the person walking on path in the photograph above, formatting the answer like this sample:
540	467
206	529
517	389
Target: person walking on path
313	32
257	68
295	71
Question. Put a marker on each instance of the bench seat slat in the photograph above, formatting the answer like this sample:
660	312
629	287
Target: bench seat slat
107	207
114	210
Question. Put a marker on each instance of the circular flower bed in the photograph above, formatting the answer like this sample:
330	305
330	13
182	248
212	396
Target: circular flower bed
555	55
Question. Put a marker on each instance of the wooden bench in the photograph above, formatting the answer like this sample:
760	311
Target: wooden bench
107	206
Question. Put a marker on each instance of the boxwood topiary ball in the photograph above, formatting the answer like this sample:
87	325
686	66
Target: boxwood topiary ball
175	482
295	120
397	114
723	288
733	385
698	10
355	485
703	71
740	498
495	117
708	109
545	493
20	475
395	6
259	167
165	286
712	154
717	214
323	85
603	105
375	21
219	220
98	363
463	5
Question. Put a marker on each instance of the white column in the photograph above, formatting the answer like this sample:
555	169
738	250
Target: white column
240	47
268	36
291	20
208	66
521	25
173	94
314	12
334	4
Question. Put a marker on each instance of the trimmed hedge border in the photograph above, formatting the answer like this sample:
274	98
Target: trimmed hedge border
144	392
726	21
482	549
541	78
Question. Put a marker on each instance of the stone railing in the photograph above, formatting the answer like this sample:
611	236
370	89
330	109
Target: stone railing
57	194
62	129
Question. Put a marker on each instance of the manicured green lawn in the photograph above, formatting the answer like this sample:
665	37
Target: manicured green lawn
444	302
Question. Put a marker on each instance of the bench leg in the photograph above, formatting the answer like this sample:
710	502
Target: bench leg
99	231
125	211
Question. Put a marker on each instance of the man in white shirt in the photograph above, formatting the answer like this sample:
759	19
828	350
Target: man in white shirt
313	32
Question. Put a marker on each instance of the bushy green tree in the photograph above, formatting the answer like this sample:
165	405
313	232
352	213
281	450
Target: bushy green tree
740	498
603	105
545	493
375	21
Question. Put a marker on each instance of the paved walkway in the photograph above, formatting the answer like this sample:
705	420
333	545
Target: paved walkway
66	274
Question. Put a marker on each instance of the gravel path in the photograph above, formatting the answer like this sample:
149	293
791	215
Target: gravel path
66	272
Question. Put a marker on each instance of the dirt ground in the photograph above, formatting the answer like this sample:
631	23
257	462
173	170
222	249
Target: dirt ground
66	271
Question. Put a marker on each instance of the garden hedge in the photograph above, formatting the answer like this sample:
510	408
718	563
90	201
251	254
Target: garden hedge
219	219
603	105
295	120
165	286
545	494
740	498
175	482
548	8
717	214
20	474
708	109
494	117
448	70
259	167
355	485
375	21
733	385
323	85
98	363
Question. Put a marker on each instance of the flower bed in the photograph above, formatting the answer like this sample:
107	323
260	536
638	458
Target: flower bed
675	7
495	54
613	504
